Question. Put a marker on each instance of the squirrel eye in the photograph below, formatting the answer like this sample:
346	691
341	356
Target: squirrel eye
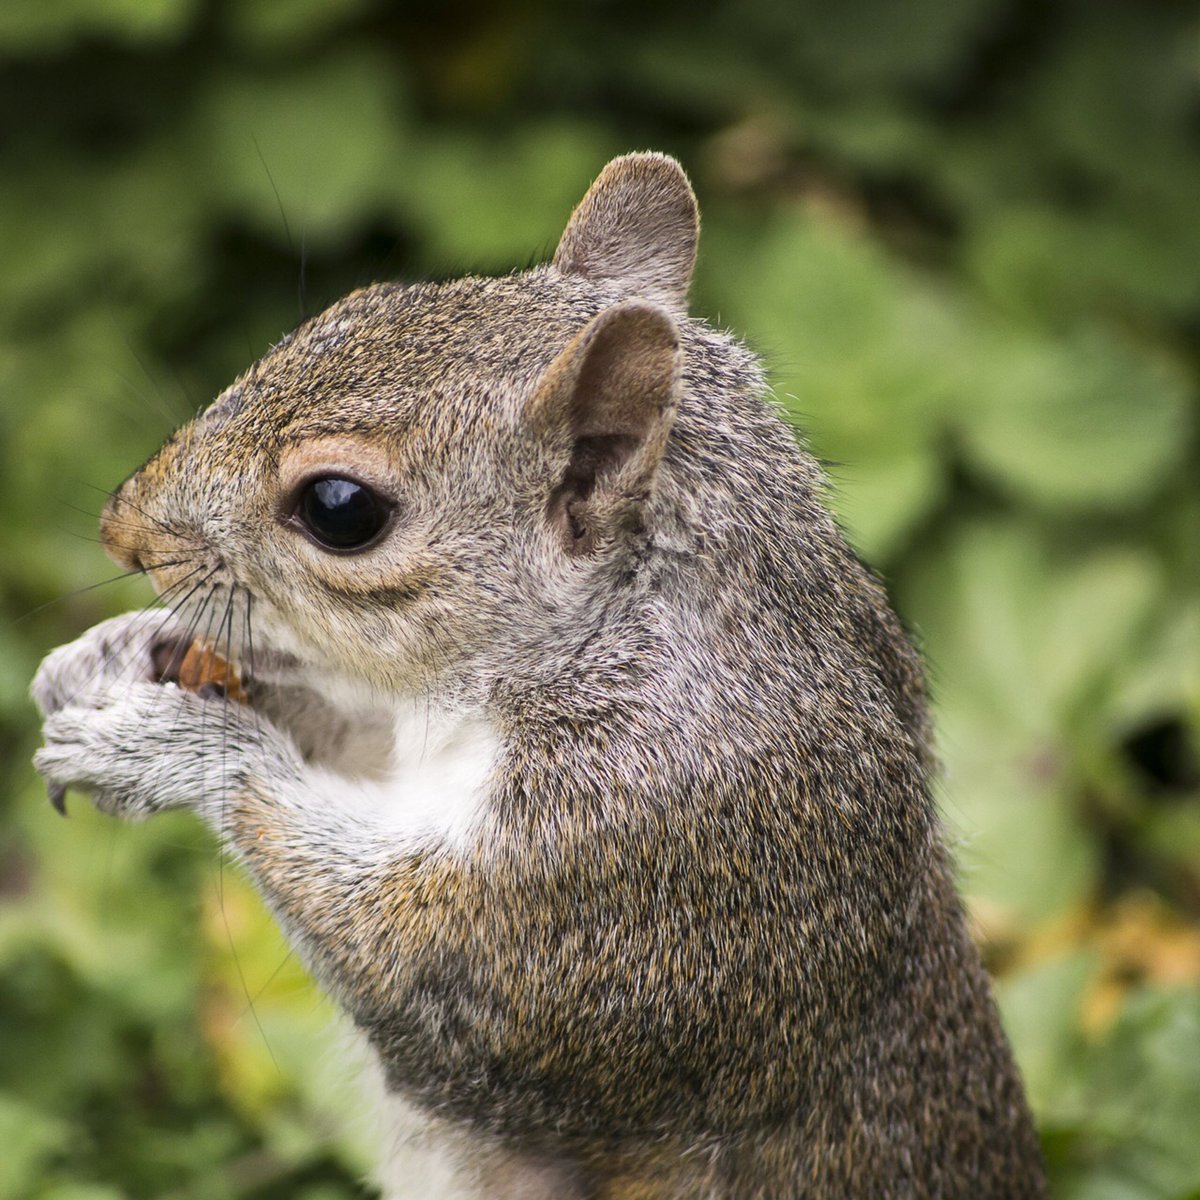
341	514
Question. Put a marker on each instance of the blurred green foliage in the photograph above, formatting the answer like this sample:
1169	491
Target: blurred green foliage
967	238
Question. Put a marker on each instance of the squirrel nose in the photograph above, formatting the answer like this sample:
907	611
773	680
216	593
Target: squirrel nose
122	532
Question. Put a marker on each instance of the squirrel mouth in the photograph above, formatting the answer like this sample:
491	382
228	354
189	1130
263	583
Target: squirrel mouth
198	668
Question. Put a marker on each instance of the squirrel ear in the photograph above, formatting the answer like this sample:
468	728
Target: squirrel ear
607	404
638	226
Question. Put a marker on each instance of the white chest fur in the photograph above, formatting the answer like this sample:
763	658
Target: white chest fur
425	1158
441	767
433	791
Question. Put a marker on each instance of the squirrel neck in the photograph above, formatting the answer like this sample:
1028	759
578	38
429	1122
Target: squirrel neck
740	627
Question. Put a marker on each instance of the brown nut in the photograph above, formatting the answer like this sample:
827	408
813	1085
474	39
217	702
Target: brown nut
203	669
200	669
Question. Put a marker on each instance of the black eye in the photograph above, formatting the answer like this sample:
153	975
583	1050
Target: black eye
341	514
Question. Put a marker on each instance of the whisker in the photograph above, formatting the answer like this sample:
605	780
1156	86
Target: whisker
91	587
270	979
83	537
165	408
227	626
165	526
224	774
206	640
252	672
170	598
250	666
189	636
124	675
95	516
181	542
237	963
227	622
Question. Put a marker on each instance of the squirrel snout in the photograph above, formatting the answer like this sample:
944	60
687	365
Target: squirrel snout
119	535
123	531
142	528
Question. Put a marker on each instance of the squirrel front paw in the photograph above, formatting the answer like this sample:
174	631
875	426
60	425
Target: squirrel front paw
141	747
116	652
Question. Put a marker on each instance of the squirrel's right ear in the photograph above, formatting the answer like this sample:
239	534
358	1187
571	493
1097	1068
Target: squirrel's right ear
603	409
637	226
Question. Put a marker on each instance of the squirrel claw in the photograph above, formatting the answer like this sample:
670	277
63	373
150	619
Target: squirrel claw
58	798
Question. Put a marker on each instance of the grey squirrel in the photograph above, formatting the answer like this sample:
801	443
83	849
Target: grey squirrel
574	750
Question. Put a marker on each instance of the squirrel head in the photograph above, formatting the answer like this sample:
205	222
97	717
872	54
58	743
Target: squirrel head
421	476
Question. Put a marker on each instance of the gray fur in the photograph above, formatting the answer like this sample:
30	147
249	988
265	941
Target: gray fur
705	942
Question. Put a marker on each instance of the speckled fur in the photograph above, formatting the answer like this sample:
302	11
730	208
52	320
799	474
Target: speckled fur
705	942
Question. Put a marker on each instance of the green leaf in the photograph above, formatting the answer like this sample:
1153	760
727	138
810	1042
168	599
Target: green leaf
30	1138
56	481
305	153
1021	847
1053	266
483	206
1164	675
1086	422
143	217
1131	1104
29	25
1040	1010
1021	630
861	353
276	1037
79	1191
280	26
1026	649
878	501
17	664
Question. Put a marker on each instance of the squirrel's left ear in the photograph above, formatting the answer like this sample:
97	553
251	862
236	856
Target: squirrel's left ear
637	226
603	409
